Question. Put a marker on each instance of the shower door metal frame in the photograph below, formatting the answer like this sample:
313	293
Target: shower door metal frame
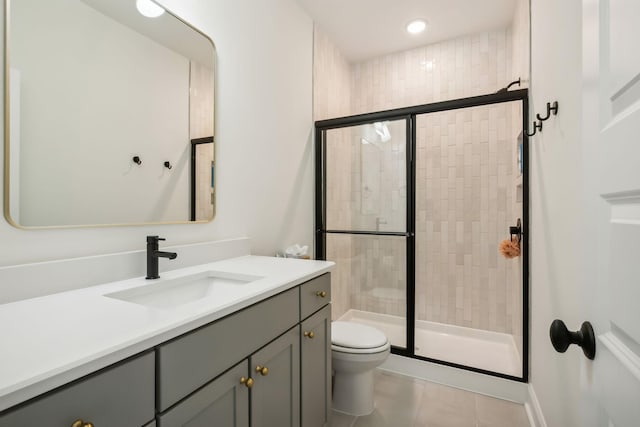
410	115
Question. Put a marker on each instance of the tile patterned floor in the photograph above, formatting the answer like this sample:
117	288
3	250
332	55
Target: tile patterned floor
407	402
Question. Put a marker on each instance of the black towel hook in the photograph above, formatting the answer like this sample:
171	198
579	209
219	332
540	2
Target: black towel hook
167	165
536	127
550	108
137	160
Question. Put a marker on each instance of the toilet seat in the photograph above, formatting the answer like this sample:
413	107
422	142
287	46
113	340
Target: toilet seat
350	337
360	350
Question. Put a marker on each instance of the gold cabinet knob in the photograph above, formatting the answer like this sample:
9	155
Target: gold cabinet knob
247	382
321	294
309	334
77	423
262	370
88	425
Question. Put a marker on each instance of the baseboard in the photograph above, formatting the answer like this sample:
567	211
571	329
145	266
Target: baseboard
534	411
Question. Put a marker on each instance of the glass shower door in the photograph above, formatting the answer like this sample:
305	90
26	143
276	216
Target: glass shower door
364	224
468	193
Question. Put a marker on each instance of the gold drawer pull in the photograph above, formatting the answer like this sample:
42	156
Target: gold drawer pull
80	423
247	382
321	294
262	370
309	334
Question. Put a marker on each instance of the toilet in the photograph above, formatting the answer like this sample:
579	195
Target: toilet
356	350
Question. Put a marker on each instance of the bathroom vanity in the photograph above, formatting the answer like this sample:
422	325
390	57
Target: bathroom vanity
259	355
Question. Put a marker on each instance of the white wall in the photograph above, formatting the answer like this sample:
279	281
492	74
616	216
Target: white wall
556	217
89	104
263	129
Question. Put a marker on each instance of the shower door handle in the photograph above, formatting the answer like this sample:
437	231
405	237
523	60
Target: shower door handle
562	338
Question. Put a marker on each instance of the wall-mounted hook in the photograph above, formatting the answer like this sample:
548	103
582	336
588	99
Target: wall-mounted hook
536	127
167	165
550	108
137	160
516	231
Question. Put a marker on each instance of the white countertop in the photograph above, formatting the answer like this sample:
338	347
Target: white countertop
49	341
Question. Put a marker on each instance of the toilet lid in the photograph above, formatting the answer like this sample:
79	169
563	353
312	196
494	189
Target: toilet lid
356	335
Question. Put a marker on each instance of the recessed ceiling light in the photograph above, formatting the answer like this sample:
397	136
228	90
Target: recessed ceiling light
149	8
416	27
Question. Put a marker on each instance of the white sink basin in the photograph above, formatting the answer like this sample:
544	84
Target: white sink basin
169	293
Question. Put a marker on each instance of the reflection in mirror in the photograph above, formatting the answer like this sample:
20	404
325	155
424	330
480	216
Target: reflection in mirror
91	85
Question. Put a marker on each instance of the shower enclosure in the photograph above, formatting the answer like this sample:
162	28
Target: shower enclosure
412	205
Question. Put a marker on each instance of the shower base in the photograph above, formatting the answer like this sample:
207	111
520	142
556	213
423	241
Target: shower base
491	351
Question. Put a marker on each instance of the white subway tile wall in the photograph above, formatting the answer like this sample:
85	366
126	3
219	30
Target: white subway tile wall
465	185
473	65
331	79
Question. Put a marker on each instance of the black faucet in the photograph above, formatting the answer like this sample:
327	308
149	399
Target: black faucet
153	254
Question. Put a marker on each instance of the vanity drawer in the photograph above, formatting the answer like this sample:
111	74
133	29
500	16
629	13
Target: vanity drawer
311	295
193	360
121	396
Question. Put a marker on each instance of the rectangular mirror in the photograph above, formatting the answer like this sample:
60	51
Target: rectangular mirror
110	115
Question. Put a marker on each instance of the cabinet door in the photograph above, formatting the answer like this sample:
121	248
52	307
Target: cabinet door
224	402
122	396
316	369
275	396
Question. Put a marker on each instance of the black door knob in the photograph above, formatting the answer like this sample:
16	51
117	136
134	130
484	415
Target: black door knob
562	338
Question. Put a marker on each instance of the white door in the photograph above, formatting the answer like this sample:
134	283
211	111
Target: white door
611	137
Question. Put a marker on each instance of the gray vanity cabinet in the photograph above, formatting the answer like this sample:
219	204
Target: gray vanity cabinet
192	360
275	360
223	402
268	365
120	396
275	395
315	369
271	376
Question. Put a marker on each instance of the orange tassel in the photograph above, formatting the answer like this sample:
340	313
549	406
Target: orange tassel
510	248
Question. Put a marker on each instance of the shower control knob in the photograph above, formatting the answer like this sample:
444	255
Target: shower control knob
562	338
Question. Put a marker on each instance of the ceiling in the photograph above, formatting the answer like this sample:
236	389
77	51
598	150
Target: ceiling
364	29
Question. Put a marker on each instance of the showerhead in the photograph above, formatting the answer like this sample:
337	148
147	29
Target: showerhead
506	89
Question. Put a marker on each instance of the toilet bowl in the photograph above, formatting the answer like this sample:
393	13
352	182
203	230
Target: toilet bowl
356	350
